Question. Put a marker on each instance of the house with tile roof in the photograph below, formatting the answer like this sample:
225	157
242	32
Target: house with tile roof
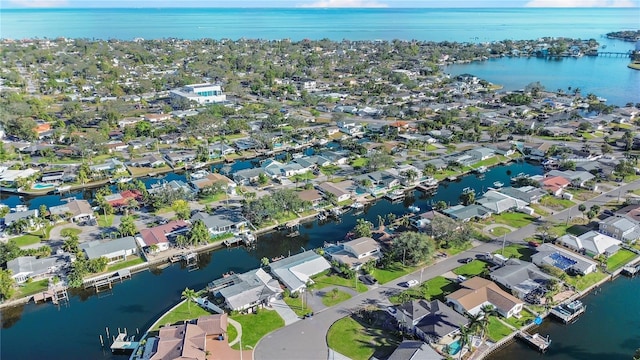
555	184
478	292
161	235
187	341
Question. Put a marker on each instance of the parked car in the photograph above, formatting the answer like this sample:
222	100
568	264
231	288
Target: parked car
391	310
533	244
465	260
461	278
412	283
367	279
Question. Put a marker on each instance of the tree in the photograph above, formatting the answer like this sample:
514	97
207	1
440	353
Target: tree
189	295
636	355
363	228
464	337
7	284
488	311
582	208
71	243
199	234
127	226
544	229
413	248
181	208
264	261
468	197
440	205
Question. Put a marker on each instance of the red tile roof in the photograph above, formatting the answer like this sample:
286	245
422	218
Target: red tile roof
158	234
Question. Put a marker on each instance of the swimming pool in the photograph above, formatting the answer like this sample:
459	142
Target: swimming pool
41	186
454	347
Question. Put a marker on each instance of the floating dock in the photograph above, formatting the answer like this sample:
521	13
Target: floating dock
569	312
536	340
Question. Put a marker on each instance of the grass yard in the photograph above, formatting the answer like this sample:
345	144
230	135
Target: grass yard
296	305
489	162
500	231
70	231
513	219
27	239
232	333
539	210
255	326
130	261
526	318
583	282
337	280
436	288
181	313
619	259
555	203
582	194
33	287
212	198
496	329
104	221
474	268
331	297
561	229
359	162
517	251
457	249
359	342
392	272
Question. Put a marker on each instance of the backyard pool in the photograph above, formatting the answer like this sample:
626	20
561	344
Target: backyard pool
42	186
454	347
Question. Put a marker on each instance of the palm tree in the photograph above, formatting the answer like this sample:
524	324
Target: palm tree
380	221
465	336
488	311
189	295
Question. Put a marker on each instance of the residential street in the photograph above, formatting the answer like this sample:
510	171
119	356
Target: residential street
306	339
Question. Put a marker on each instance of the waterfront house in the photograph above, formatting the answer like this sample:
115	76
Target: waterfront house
356	252
220	149
245	291
528	194
520	277
339	190
74	210
161	235
555	184
222	221
311	195
478	292
577	178
414	350
498	202
466	213
563	259
114	250
11	217
247	176
175	158
212	179
591	243
423	221
123	198
150	160
193	341
173	185
24	268
621	228
481	153
377	182
109	166
295	271
430	321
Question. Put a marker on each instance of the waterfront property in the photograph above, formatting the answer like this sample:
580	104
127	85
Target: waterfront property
478	292
356	252
75	210
24	268
591	243
430	321
113	250
245	291
522	278
222	221
296	271
414	349
160	236
565	260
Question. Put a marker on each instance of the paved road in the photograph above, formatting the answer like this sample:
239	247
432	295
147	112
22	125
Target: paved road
306	339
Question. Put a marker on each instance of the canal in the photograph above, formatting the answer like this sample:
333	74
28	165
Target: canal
72	331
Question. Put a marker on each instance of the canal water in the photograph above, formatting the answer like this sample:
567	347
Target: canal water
609	329
73	330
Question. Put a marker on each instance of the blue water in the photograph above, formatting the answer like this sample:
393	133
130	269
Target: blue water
454	347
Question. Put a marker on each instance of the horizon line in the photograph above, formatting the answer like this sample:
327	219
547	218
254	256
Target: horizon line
309	8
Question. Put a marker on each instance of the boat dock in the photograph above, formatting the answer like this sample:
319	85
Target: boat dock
57	294
247	239
395	195
427	188
536	340
569	312
124	343
631	270
107	281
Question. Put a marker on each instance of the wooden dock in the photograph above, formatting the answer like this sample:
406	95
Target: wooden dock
569	312
123	343
427	188
56	294
107	281
536	340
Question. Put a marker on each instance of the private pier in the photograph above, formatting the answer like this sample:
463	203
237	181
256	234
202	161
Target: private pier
104	282
536	340
569	312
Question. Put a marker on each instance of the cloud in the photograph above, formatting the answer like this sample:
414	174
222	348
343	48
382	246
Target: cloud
39	3
581	3
345	4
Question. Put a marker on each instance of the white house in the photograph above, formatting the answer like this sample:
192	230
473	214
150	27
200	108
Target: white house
200	93
357	252
114	250
478	292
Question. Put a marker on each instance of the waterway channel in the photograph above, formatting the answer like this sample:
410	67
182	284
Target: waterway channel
71	332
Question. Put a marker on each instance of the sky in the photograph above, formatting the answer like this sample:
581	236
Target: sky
313	3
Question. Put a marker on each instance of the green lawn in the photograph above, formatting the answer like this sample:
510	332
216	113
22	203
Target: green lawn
297	305
517	251
212	198
556	203
455	250
513	219
500	231
496	329
324	281
392	272
331	298
474	268
255	326
525	319
130	261
181	313
583	282
489	162
33	287
300	178
70	231
232	333
27	239
359	162
436	288
619	259
562	229
539	210
359	342
104	222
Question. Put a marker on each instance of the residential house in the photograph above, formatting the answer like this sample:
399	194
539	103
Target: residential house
173	185
357	252
211	179
565	260
311	195
350	127
110	166
555	184
220	149
24	268
422	222
481	153
245	291
528	194
336	157
247	176
466	213
295	271
175	158
377	182
193	341
478	292
150	160
414	350
498	202
223	221
161	235
621	228
153	118
338	190
123	198
75	210
591	243
520	277
276	169
430	321
11	217
114	250
577	178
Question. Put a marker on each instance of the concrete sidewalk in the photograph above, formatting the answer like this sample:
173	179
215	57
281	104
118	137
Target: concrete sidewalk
285	312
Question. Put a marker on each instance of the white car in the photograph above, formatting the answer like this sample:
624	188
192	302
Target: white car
391	310
412	283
